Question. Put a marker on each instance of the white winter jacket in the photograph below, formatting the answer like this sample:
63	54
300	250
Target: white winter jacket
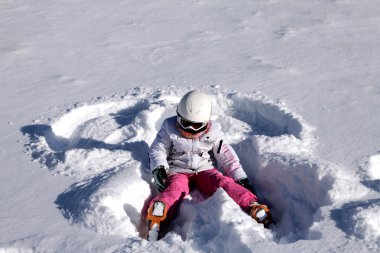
182	155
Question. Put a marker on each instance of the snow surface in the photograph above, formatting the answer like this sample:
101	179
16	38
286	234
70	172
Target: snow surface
374	167
86	84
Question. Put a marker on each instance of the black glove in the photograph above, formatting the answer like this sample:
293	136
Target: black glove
245	183
160	176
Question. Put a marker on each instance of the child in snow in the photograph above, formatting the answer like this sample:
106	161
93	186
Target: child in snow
186	151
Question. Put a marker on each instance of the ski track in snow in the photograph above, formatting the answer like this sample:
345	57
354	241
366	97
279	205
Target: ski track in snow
104	143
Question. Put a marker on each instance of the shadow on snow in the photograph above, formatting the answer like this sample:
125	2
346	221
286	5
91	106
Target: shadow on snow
345	217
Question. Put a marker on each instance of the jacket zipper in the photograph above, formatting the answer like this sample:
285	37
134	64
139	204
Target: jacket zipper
192	154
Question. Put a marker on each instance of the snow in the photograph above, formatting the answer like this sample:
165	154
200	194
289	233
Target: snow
374	167
367	227
85	86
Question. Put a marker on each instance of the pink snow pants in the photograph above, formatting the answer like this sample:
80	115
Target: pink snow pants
207	182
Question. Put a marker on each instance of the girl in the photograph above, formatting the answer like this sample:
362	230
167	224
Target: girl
187	150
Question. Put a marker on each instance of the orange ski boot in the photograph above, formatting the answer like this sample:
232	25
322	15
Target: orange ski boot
261	214
157	213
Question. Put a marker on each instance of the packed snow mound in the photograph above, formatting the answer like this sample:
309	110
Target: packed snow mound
374	167
104	143
360	219
367	223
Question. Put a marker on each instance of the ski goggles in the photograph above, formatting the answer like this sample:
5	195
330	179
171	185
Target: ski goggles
188	125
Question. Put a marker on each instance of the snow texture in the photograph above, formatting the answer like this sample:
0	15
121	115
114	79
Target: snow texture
374	167
104	146
85	86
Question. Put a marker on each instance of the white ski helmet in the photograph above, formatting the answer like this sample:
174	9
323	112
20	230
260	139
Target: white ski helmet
195	107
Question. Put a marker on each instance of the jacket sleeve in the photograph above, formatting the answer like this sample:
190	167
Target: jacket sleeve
159	150
228	160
